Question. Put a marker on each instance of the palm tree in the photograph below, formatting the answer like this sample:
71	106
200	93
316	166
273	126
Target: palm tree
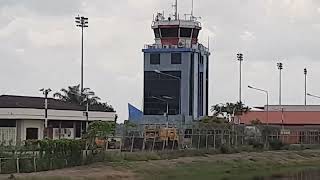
73	95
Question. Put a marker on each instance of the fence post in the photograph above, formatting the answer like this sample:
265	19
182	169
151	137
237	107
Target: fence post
153	142
132	141
18	168
144	144
0	166
199	139
173	144
214	139
34	164
236	140
163	144
207	140
121	144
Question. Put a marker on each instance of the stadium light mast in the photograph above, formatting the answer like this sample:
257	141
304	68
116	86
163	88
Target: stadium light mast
240	59
81	22
280	67
305	86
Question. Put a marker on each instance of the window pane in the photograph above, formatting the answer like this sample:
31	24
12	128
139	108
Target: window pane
154	58
157	33
195	33
185	32
169	32
176	58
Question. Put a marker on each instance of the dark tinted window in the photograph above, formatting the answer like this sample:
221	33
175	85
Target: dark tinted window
185	32
195	33
157	33
201	59
7	123
154	58
176	58
191	83
32	133
169	32
159	85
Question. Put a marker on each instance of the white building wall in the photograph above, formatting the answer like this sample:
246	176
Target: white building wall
25	113
31	124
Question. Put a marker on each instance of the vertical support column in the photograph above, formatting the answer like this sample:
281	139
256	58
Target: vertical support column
132	142
18	166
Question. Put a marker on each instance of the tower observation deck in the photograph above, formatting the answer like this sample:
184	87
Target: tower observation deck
176	72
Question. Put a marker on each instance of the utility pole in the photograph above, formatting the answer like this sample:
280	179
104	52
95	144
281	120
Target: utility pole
280	67
45	93
240	59
305	86
83	23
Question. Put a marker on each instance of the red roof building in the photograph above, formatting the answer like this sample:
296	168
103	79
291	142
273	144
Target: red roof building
288	115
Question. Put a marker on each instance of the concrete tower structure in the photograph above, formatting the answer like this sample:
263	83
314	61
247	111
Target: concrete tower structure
176	72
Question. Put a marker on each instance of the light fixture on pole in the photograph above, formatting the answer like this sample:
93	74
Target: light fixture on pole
311	95
163	99
45	93
305	86
267	95
175	77
280	67
83	23
240	59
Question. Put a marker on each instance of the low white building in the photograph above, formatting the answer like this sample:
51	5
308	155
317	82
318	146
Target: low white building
22	118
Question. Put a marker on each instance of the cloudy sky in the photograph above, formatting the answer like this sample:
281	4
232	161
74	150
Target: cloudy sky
40	46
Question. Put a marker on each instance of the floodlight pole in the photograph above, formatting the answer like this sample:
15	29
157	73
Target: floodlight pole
240	59
305	86
280	67
82	22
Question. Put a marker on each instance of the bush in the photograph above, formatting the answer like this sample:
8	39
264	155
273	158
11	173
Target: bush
255	144
276	144
225	149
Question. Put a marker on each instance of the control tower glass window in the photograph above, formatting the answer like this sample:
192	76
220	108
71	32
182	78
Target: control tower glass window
169	32
195	33
185	32
160	85
157	33
175	58
154	58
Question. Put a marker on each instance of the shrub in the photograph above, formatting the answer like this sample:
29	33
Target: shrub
255	144
276	144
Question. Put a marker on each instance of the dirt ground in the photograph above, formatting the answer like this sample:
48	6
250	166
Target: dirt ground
134	170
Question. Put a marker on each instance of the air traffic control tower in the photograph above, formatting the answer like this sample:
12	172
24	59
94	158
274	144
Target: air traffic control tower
176	72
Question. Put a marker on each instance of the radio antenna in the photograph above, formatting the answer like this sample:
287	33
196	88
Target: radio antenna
192	9
176	10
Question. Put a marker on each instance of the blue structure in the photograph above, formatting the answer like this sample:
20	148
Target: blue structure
135	115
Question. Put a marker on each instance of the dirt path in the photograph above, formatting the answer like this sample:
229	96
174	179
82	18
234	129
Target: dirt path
130	170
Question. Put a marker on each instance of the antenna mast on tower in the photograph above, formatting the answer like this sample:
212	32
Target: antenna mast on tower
192	9
176	10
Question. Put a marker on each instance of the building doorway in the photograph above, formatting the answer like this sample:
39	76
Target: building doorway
32	133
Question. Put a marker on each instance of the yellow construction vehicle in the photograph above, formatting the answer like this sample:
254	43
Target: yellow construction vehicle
157	134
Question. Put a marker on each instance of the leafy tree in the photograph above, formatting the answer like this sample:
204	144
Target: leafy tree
229	109
73	95
100	130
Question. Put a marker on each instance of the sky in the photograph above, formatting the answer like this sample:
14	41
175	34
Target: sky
40	47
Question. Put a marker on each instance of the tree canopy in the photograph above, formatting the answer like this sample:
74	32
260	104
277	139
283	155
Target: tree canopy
229	109
72	94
